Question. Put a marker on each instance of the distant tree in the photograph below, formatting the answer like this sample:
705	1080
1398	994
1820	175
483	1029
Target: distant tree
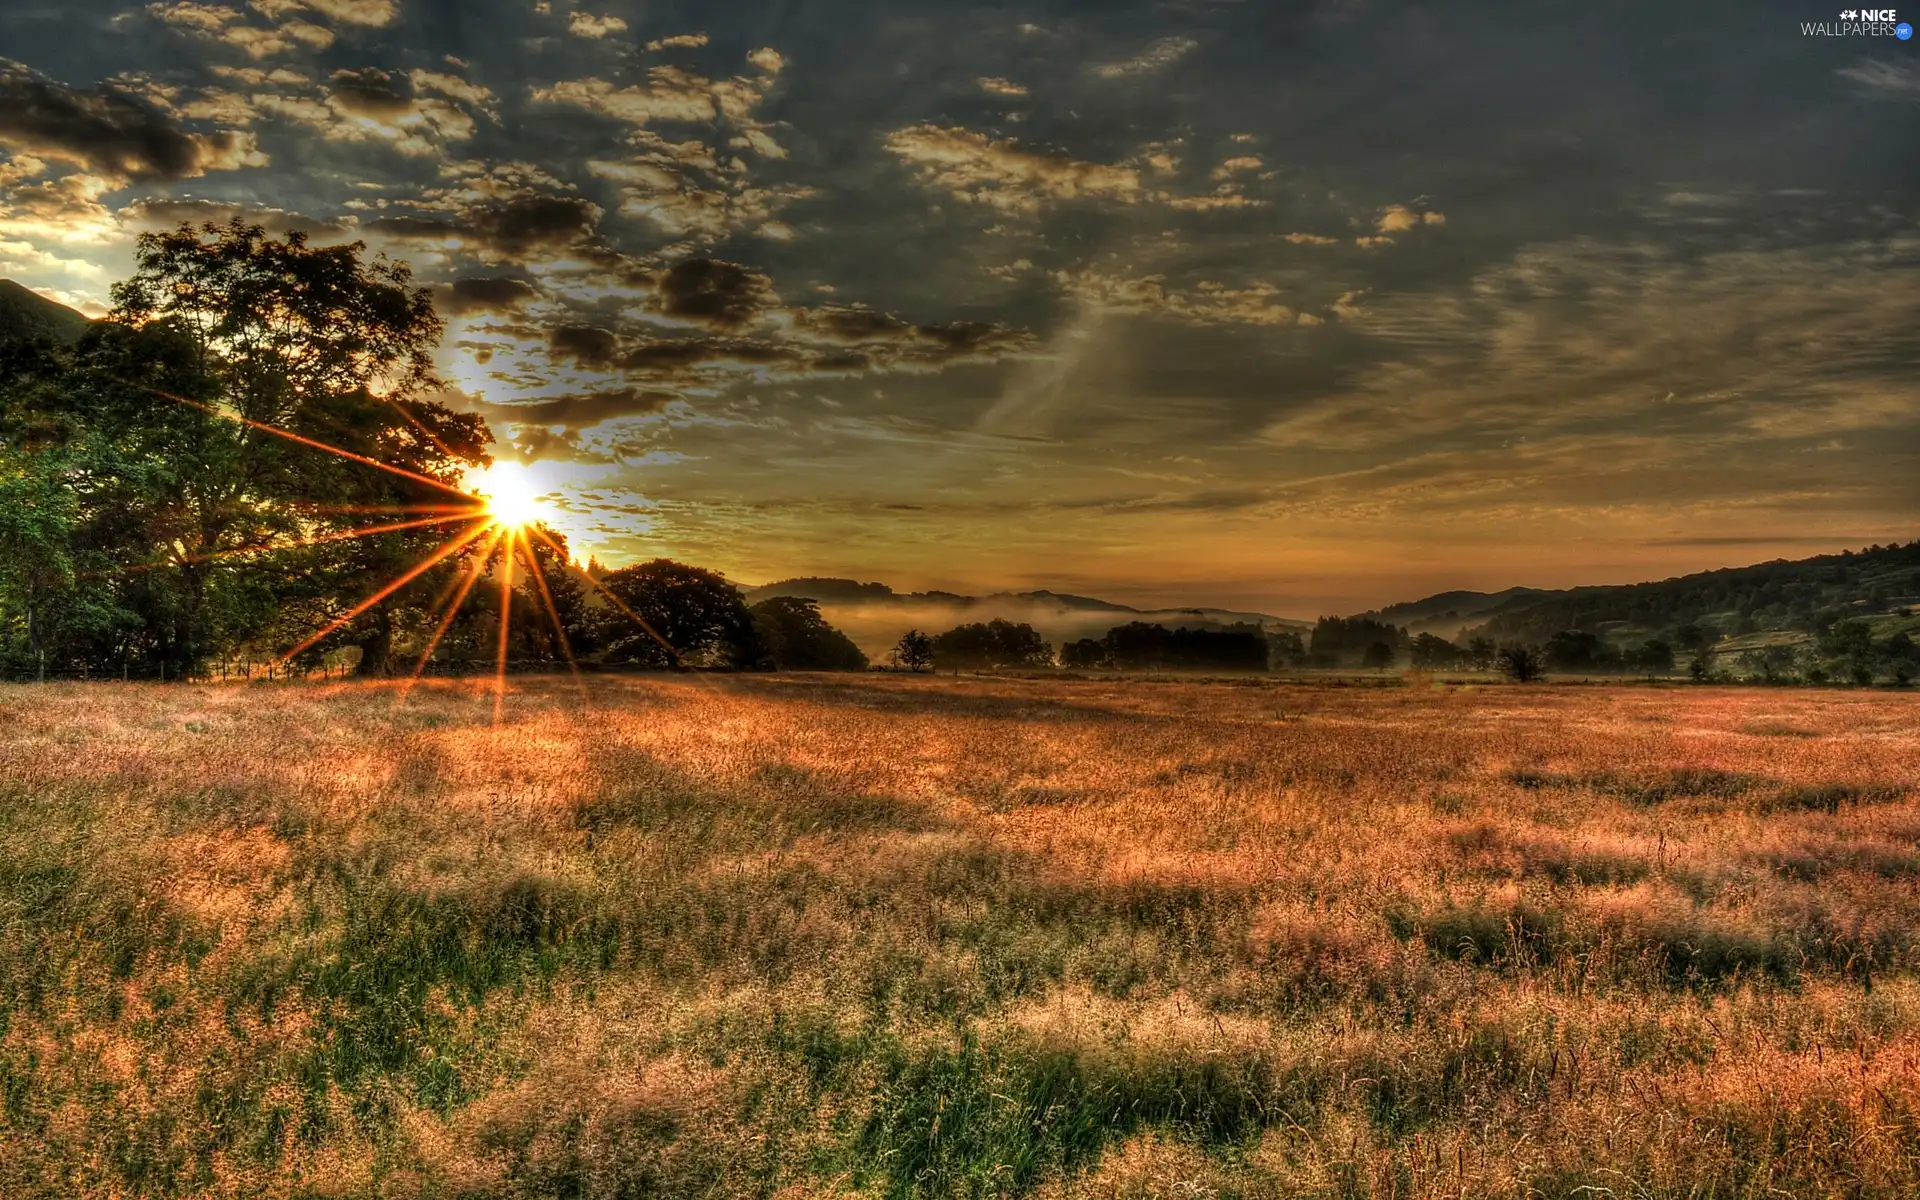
1286	648
697	612
1085	654
996	643
1344	641
1377	655
913	652
1481	654
1573	650
798	638
1655	658
1700	667
1692	636
1429	652
1522	664
1144	646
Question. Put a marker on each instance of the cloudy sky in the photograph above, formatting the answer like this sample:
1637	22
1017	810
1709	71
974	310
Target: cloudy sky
1298	306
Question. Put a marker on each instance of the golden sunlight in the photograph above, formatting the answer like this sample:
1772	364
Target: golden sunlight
513	498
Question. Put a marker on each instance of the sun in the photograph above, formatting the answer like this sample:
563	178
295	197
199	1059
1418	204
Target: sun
513	499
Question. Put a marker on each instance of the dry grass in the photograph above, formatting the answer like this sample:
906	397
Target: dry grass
811	937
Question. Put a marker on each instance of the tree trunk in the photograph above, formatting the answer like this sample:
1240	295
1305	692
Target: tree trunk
376	649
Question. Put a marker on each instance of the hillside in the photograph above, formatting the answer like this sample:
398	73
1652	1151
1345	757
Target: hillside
1447	613
1880	584
874	615
26	313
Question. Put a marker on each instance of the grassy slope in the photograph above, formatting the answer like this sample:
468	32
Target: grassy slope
26	313
904	936
1778	596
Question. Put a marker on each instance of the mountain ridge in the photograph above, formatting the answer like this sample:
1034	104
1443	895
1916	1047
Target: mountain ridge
25	313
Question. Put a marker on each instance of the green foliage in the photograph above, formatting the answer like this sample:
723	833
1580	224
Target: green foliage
165	532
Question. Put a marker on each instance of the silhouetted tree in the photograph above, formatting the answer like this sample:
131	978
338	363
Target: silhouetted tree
996	643
1285	648
1430	652
701	615
1377	655
798	638
1655	658
914	651
1574	650
1085	654
1344	641
1521	664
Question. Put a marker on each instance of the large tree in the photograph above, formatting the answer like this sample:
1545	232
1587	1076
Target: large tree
230	360
797	638
701	618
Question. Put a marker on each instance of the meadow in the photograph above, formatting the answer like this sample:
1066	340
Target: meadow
814	936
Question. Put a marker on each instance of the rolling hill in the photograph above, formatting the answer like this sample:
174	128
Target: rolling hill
1754	604
25	313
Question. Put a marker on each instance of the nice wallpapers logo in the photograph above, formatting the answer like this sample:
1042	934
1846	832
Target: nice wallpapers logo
1860	22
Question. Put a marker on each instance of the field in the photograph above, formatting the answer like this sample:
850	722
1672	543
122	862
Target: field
810	936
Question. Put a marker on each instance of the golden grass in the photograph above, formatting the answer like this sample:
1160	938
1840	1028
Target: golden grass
845	936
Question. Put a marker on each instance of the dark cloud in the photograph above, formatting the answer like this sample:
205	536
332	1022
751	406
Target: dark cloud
166	214
107	131
586	345
578	410
535	222
370	92
463	297
850	325
513	229
722	294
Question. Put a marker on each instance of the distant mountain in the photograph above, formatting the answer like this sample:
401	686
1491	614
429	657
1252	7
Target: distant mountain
25	313
874	615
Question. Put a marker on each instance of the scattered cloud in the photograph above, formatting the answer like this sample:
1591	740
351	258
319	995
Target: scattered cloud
373	13
586	25
1398	218
995	86
1886	80
1208	302
683	41
979	169
1158	56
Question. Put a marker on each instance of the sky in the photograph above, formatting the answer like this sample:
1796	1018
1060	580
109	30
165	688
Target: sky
1290	307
